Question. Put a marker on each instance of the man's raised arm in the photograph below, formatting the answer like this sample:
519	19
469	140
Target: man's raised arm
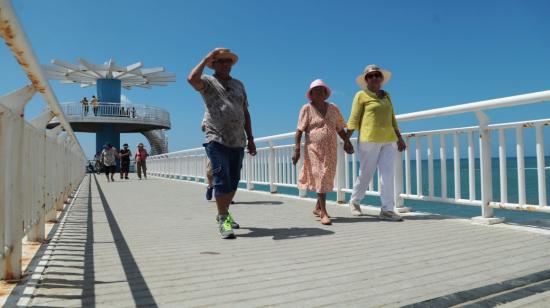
194	77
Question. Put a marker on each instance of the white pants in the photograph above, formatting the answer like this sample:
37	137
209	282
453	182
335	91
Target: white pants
372	155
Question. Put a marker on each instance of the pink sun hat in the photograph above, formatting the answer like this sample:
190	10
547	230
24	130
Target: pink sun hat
318	83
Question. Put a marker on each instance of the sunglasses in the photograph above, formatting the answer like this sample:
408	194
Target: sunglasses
223	61
373	75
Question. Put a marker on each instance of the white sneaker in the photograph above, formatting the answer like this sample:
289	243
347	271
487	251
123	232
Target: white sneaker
389	215
355	208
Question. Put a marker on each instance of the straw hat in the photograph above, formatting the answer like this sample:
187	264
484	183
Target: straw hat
223	53
318	83
372	68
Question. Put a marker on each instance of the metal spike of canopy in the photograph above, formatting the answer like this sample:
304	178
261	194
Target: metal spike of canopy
86	74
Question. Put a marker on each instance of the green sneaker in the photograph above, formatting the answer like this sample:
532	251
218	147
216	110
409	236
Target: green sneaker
225	229
234	224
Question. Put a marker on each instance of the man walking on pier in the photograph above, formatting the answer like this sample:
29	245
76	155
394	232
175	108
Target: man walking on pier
226	121
108	158
125	154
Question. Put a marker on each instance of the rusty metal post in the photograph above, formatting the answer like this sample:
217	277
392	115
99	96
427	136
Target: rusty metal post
60	191
51	137
12	171
14	212
38	230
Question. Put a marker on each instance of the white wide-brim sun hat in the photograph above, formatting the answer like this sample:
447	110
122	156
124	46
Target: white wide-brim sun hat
362	83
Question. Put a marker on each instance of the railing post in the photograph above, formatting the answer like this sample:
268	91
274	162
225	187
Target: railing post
272	168
51	169
248	164
398	185
540	165
205	162
198	172
341	165
11	168
59	205
302	193
486	172
38	231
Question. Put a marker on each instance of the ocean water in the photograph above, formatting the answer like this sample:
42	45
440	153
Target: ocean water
523	217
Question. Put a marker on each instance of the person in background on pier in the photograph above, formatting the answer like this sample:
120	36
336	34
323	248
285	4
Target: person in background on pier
141	160
98	165
379	139
226	121
95	104
85	106
108	158
125	154
90	167
321	121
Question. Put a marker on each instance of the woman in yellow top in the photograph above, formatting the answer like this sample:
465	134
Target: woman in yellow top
95	104
379	139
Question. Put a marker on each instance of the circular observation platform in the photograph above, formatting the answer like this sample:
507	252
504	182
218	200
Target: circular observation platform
127	118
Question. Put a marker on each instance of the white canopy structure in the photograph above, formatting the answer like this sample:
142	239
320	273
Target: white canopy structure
86	74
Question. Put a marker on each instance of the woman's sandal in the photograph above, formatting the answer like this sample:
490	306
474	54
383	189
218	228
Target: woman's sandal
318	213
325	220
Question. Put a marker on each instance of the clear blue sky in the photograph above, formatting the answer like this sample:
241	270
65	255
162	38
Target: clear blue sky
440	52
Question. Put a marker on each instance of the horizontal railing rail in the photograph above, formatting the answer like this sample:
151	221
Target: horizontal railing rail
417	178
39	168
137	112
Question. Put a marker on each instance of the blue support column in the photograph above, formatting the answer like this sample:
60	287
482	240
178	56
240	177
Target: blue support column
108	134
108	91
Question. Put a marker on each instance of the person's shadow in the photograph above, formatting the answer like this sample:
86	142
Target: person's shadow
267	202
356	219
285	233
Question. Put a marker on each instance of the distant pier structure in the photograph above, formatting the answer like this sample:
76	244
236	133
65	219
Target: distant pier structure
111	117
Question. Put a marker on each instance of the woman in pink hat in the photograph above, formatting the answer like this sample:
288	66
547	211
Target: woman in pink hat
320	121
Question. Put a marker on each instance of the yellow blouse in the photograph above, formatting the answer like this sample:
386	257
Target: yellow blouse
374	117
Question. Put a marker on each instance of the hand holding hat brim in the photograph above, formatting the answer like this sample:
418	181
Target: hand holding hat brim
221	53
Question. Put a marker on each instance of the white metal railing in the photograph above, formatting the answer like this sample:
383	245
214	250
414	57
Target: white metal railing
272	165
39	168
137	112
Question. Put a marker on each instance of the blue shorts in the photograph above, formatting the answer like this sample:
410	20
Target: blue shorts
226	167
